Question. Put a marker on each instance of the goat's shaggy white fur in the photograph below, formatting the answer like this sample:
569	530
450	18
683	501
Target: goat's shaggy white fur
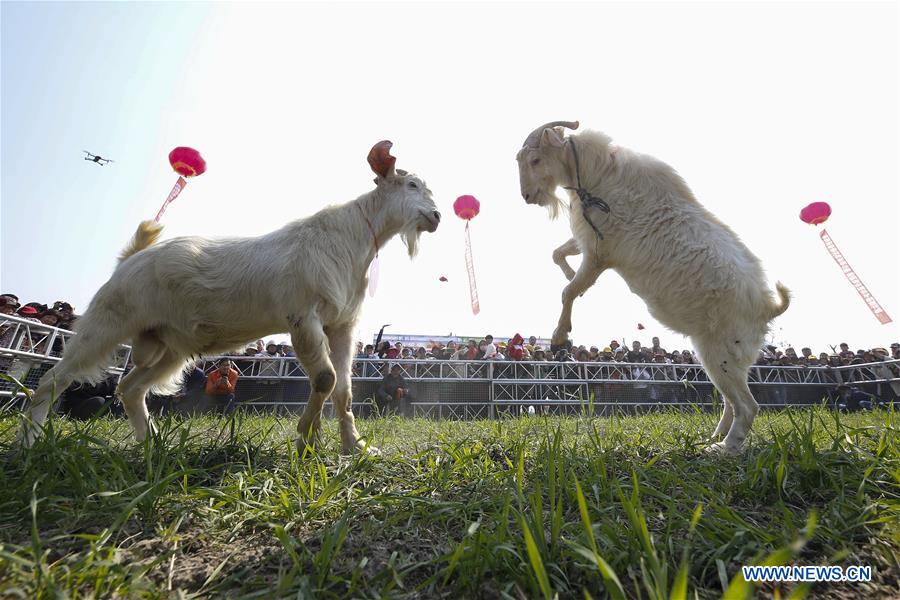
191	296
692	270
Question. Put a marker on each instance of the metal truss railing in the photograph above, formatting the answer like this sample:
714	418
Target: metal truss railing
26	346
37	346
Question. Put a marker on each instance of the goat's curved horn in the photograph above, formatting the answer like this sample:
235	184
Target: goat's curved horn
532	140
380	158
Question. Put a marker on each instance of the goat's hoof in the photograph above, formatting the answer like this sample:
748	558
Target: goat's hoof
361	447
307	446
722	449
560	337
562	344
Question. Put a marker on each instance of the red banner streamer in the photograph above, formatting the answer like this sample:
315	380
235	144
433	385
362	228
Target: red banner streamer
854	279
179	185
470	267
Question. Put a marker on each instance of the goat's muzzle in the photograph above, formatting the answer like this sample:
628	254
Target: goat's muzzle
432	220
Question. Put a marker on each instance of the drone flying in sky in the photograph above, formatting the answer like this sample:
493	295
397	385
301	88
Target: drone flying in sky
97	158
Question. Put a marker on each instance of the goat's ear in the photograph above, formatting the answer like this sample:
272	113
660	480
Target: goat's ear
553	137
381	161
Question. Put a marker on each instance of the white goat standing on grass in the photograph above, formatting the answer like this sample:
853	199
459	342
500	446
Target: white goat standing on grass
192	296
633	213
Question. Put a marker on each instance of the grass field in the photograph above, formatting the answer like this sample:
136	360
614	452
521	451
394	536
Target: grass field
522	508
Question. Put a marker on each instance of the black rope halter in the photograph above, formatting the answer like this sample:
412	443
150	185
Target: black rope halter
588	200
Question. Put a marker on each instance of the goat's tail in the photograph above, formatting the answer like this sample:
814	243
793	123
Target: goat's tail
784	297
146	235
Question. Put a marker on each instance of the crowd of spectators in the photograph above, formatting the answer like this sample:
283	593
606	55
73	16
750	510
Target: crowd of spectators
518	349
215	387
61	314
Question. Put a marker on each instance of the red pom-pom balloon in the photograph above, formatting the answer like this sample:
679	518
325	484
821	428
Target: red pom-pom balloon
815	213
187	161
467	207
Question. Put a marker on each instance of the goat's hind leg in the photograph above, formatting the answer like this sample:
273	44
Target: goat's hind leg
312	349
341	342
154	364
740	407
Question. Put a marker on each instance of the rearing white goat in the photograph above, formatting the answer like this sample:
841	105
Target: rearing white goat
190	296
634	214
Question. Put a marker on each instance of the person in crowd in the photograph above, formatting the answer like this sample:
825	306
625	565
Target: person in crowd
656	348
378	343
487	348
562	356
583	355
406	353
65	314
539	354
245	366
269	368
393	392
845	352
49	318
220	386
889	391
532	343
9	300
516	349
851	399
422	354
895	350
394	351
635	355
81	401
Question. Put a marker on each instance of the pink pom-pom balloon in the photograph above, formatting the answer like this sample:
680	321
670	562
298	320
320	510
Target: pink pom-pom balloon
815	213
187	161
467	207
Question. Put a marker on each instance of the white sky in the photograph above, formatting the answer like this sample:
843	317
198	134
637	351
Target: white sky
762	107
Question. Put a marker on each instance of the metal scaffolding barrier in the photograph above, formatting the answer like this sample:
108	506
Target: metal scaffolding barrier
471	389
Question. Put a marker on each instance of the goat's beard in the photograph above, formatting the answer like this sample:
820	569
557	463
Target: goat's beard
410	236
555	205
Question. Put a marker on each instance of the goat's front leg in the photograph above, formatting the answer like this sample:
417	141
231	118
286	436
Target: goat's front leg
311	345
585	277
341	342
570	248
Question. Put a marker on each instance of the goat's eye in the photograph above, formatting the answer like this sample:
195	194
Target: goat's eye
412	185
535	162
